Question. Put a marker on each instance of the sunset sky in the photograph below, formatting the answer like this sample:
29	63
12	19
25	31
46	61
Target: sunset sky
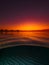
24	14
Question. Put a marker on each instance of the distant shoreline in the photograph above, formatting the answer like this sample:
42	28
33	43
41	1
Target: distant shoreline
24	30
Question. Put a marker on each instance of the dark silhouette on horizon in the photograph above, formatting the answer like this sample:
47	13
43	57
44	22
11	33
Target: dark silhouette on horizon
6	30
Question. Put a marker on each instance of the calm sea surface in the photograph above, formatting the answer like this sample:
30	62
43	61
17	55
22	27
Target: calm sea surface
27	38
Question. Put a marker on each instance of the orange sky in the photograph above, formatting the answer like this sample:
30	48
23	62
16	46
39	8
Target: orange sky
24	14
26	25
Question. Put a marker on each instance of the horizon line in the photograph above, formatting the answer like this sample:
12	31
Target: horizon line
26	30
22	30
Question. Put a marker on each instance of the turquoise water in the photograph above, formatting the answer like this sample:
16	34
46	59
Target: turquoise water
24	55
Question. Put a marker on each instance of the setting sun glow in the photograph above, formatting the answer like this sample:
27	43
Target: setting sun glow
31	26
26	26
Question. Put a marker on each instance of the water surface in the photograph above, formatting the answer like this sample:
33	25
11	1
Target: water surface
24	38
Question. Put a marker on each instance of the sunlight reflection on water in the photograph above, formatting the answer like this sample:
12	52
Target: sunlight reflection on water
9	37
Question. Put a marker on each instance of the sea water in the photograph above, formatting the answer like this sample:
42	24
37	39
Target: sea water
24	38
